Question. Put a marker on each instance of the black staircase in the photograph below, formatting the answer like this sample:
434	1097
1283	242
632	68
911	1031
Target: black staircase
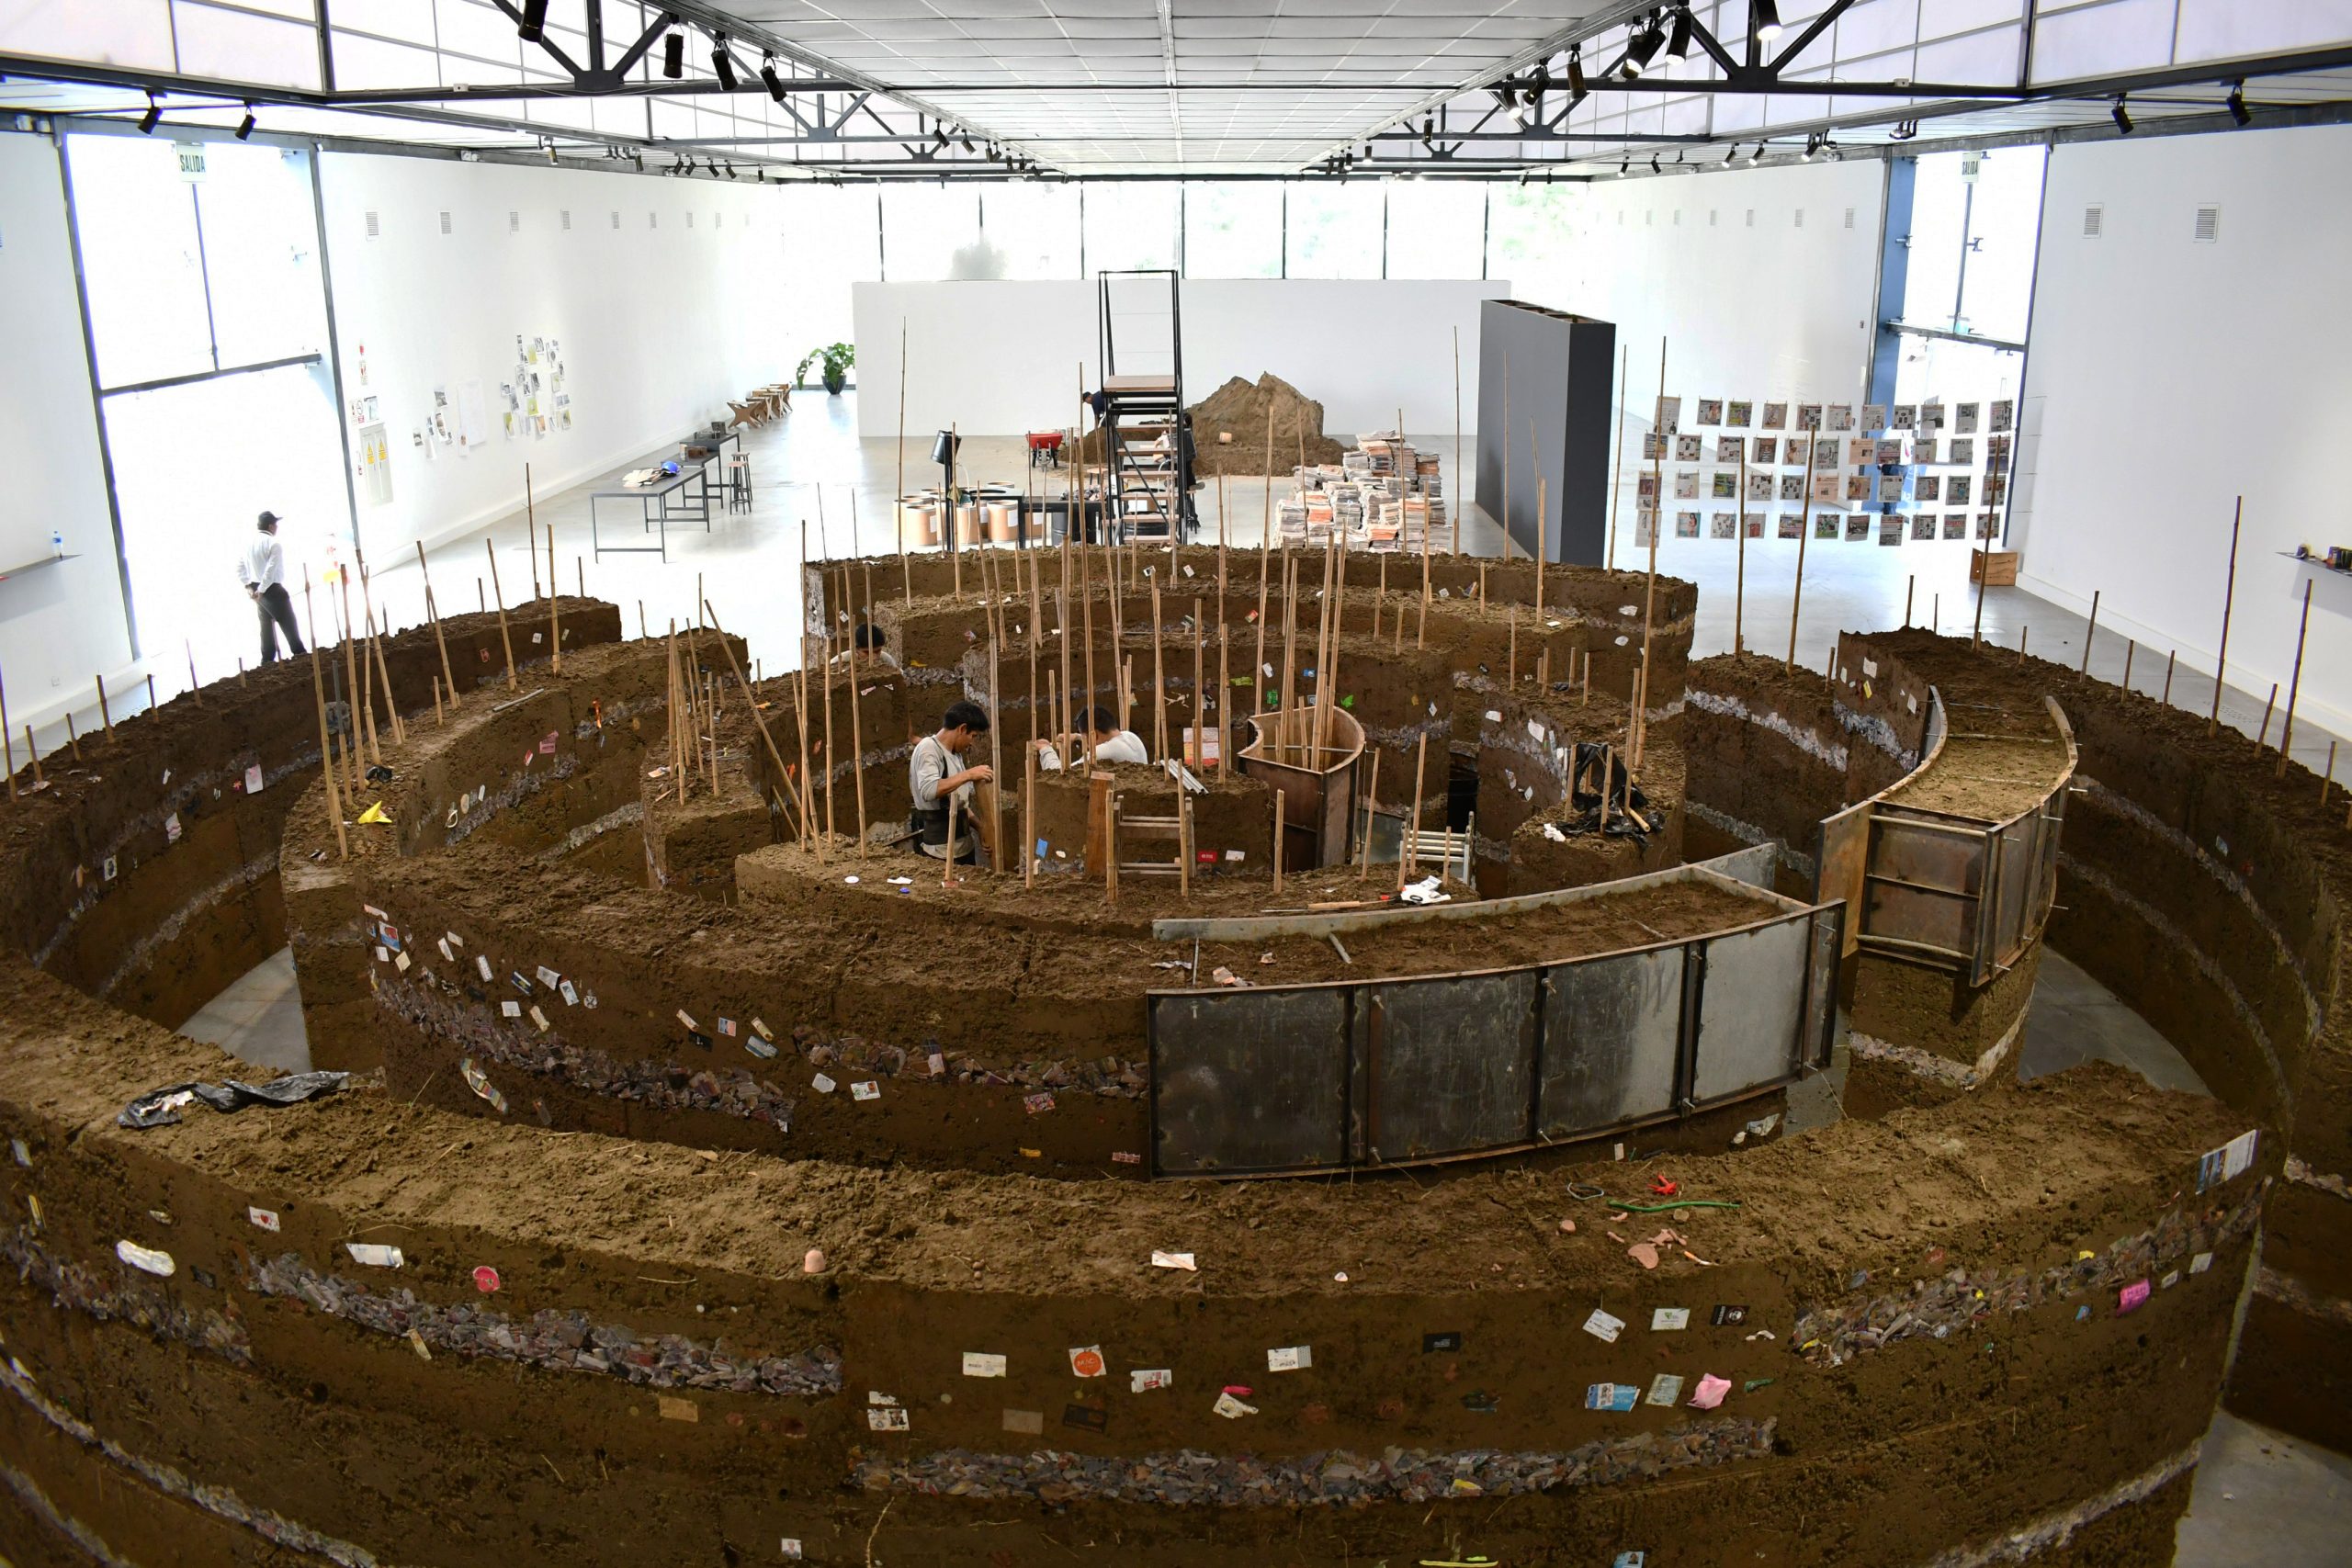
1148	437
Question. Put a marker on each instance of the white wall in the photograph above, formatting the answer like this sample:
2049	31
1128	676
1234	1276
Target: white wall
59	625
2168	376
999	358
1768	310
660	322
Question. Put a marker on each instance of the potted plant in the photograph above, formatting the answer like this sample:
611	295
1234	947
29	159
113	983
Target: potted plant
838	358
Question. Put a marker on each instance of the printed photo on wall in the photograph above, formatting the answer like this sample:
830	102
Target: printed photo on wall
1890	530
1767	451
1653	448
1792	487
1726	486
1928	487
1858	527
1690	448
1737	414
1827	526
1873	416
1825	454
2003	411
1922	449
1711	410
1808	416
1754	525
1686	525
1760	487
1955	524
1837	416
1644	523
1996	451
1728	448
1720	525
1827	488
1907	417
1858	487
1776	417
1922	526
1645	486
1962	451
1685	484
1890	488
1890	453
1964	419
1931	416
1996	490
1988	524
1792	525
1861	449
1669	415
1956	489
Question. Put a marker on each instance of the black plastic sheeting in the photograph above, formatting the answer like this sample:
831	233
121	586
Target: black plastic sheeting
1600	767
160	1107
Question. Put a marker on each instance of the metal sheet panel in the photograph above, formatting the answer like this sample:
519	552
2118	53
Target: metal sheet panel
1451	1064
1922	915
1248	1080
1611	1030
1821	987
1929	857
1752	1008
1844	850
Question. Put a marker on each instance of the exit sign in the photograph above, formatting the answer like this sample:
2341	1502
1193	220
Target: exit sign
191	159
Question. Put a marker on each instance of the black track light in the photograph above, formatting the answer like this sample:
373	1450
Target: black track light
770	80
1644	48
1624	166
673	56
147	121
1653	162
1766	17
535	22
2238	111
1577	88
2122	116
722	66
245	126
1731	156
1678	42
939	135
965	141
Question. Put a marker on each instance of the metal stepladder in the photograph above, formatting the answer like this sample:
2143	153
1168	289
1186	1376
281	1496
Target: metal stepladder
1148	438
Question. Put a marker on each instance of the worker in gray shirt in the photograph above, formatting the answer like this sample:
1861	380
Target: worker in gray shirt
936	773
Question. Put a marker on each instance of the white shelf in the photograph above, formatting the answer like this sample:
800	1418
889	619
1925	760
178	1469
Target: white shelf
9	572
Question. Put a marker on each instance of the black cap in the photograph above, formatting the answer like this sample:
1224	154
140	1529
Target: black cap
267	520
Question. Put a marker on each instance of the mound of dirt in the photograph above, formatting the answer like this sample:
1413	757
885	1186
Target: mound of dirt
1238	410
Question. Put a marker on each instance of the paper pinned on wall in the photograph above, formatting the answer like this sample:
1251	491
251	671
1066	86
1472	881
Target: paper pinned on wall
473	416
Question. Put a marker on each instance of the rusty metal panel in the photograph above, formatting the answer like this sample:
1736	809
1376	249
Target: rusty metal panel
1611	1030
1838	867
1821	986
1248	1080
1925	857
1925	917
1450	1064
1752	1008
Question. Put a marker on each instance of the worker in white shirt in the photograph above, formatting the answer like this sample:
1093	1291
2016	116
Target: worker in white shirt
263	572
1112	744
936	773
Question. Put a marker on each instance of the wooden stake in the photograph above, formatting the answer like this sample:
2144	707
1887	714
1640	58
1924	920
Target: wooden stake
73	737
319	692
1198	748
555	612
2023	632
2263	735
2294	682
1410	845
2229	592
1454	503
1158	682
1028	815
505	638
1649	600
1804	533
857	745
2168	659
33	750
400	729
1184	842
2092	631
2329	777
1258	663
1510	679
194	690
1617	473
2130	648
531	533
1279	800
1371	808
432	613
436	702
105	716
355	701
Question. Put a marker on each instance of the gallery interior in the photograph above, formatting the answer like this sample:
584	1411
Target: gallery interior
1610	733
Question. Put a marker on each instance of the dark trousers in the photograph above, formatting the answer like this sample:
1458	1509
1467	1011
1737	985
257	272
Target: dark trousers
277	610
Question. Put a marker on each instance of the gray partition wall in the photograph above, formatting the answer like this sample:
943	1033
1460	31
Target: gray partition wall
1554	423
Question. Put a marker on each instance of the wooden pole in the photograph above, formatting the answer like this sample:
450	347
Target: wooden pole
1197	750
194	690
356	703
432	613
1028	815
1266	523
1258	662
2229	591
1510	670
33	751
2262	736
1409	844
504	637
1158	682
2329	777
1649	600
1805	532
400	728
367	635
1278	838
2023	632
555	612
1617	473
105	715
2294	682
947	866
2169	662
1084	710
319	692
2130	650
531	532
1982	560
2092	631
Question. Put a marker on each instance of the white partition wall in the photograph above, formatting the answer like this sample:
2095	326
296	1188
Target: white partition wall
2177	364
999	358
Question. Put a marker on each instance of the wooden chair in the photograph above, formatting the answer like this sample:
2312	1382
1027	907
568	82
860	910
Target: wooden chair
741	414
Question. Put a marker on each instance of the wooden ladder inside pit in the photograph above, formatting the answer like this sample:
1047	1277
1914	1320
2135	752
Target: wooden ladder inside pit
1112	833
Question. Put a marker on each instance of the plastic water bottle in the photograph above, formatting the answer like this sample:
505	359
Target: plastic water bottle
56	543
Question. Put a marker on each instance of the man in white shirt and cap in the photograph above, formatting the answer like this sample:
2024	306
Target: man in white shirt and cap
263	572
1110	743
